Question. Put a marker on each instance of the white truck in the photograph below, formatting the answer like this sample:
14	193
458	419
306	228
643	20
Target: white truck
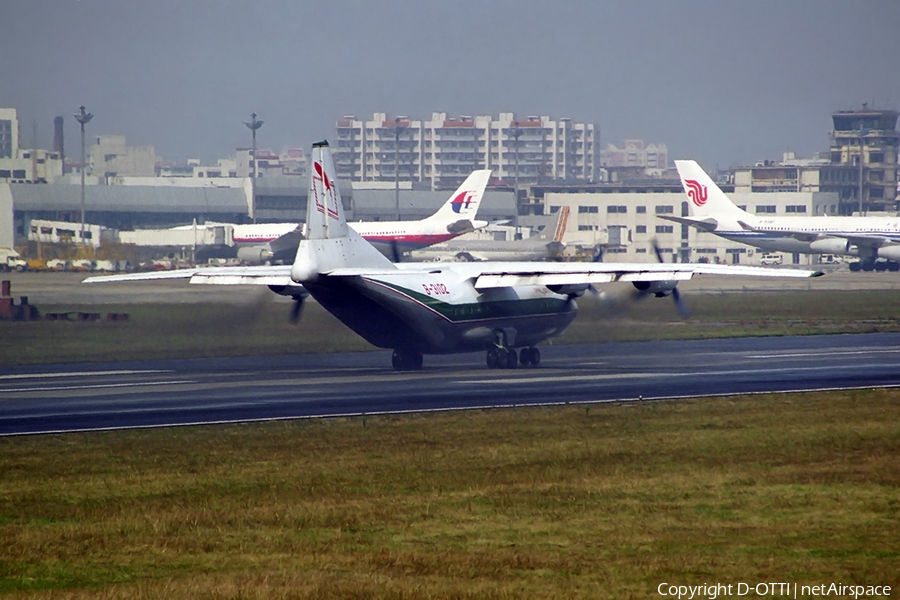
11	261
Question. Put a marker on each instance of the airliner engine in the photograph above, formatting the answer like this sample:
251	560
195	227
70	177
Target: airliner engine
830	246
889	253
254	255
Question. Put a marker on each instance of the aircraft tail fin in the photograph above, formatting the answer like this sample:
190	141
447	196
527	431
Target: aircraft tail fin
561	224
707	199
464	202
330	243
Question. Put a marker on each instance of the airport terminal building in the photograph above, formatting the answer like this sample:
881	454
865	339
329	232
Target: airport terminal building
620	219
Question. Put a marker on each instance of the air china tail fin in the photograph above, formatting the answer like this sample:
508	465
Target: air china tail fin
330	243
707	200
464	202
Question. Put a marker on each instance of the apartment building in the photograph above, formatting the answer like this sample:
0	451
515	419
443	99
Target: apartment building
442	151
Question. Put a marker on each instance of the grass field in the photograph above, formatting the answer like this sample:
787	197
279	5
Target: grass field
606	501
186	330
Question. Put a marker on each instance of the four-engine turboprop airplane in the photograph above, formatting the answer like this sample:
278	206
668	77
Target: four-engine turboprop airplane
869	238
420	308
265	242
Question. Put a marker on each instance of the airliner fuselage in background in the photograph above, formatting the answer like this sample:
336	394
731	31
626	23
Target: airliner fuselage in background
869	238
260	243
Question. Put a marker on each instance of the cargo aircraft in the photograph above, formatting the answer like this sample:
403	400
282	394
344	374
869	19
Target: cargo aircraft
869	238
502	308
539	246
266	242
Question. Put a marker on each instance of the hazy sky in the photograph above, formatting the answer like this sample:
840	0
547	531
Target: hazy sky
723	81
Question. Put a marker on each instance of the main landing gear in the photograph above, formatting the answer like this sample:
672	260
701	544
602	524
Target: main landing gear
406	360
503	357
506	358
873	265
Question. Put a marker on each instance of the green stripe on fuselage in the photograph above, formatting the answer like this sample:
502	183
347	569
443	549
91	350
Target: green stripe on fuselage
492	309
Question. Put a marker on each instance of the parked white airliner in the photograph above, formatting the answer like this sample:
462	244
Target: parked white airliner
869	238
260	243
422	308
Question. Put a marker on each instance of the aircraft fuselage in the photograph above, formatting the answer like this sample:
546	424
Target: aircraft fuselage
442	313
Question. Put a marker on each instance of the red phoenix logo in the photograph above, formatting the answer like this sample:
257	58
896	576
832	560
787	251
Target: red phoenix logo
696	192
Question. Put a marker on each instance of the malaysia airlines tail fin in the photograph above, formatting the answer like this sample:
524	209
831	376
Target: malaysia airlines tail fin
707	200
458	212
330	243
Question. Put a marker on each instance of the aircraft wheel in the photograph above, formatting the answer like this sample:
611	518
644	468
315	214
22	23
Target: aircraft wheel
893	265
855	267
881	266
406	360
868	265
535	357
493	358
525	356
512	359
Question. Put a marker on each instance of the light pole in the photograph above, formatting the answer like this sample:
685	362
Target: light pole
516	131
398	129
253	125
862	133
83	118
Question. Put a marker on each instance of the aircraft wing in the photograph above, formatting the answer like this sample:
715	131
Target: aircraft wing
507	274
288	241
278	275
707	224
513	274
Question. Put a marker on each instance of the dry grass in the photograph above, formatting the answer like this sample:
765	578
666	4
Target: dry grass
575	502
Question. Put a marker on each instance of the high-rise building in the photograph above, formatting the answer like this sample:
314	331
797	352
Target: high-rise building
9	133
443	151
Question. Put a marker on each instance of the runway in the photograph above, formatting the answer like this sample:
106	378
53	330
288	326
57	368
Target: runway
83	397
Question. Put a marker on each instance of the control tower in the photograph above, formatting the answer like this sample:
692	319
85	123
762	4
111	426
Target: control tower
863	166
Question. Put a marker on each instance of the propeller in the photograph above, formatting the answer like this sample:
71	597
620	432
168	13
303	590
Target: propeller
680	305
396	255
297	309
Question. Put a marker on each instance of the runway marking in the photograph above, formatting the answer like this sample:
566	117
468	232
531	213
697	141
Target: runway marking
825	353
95	386
610	376
82	374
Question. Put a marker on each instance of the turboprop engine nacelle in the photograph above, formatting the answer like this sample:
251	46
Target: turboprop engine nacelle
657	288
889	253
296	292
830	246
254	255
572	291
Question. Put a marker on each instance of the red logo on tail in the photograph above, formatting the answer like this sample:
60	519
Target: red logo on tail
327	205
696	192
